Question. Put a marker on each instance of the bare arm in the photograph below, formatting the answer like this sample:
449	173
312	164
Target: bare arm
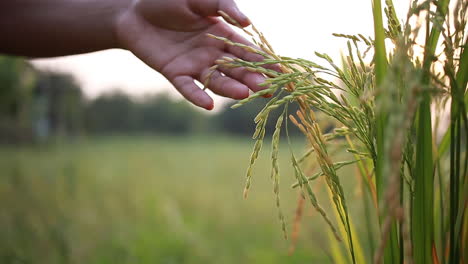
168	35
46	28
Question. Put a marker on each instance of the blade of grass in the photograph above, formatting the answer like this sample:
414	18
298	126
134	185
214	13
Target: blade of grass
343	230
391	252
457	116
422	222
462	80
423	201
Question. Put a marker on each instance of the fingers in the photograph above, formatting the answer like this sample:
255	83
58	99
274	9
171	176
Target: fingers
249	56
207	8
250	79
230	8
243	53
218	83
187	87
240	52
226	86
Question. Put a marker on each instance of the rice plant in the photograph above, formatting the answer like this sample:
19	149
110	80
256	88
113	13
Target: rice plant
387	103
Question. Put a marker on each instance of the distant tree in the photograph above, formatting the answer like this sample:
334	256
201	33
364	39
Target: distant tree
116	112
112	112
59	104
35	105
17	80
159	113
240	121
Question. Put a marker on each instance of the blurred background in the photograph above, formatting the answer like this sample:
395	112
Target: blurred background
101	161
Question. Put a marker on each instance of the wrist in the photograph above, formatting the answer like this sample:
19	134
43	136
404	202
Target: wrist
123	9
121	23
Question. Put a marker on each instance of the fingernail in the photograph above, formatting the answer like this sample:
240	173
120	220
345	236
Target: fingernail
210	107
260	80
244	20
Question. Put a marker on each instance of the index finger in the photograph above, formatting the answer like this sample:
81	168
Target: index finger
208	8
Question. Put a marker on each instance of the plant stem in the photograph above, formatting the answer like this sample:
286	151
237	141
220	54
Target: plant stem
457	174
423	202
391	250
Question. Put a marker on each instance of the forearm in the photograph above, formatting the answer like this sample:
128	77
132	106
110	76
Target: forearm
45	28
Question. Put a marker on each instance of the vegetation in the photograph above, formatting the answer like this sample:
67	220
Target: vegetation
38	106
16	78
382	109
140	200
383	174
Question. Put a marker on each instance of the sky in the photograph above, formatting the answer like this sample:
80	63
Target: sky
295	28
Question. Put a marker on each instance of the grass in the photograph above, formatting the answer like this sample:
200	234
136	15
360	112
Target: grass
145	200
391	252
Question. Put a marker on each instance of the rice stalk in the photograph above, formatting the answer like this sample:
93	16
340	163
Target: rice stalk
275	171
382	111
297	222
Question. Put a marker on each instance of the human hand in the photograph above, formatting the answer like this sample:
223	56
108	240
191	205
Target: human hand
171	37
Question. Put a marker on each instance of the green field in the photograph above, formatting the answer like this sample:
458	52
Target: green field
147	200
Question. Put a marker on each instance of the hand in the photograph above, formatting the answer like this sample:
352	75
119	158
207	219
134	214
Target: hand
170	36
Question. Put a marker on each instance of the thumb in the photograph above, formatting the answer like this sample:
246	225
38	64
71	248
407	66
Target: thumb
212	7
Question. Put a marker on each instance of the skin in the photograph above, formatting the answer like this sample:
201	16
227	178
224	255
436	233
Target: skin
168	35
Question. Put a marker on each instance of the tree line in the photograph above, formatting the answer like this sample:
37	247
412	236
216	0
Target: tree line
39	105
